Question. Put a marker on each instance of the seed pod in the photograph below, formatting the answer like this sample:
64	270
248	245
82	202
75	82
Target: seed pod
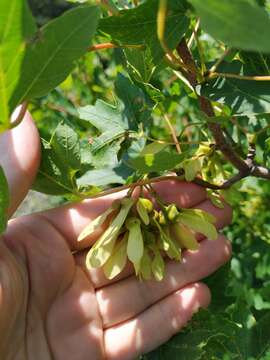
96	223
102	249
204	149
161	218
144	206
145	266
215	199
172	212
192	167
184	236
167	244
135	247
174	251
149	238
117	260
204	215
158	266
199	221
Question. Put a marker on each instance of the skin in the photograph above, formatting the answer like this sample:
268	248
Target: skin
52	307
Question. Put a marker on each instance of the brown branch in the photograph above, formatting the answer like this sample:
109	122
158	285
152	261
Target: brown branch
261	172
206	107
191	72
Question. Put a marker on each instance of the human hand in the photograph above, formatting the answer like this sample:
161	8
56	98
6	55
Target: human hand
51	306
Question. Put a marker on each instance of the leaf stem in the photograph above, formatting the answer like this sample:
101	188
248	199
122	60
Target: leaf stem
108	6
214	75
105	46
220	60
161	25
189	125
194	34
173	133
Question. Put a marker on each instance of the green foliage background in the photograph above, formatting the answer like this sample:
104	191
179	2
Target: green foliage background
236	326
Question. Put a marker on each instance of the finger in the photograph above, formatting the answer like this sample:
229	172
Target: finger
129	297
223	217
19	157
156	325
71	219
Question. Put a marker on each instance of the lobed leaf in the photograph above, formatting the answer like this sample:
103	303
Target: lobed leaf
138	26
243	97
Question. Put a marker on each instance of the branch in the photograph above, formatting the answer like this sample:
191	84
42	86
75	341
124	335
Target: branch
261	172
206	107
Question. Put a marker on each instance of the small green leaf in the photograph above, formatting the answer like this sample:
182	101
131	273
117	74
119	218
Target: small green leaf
135	247
143	208
158	266
238	23
117	260
199	224
185	237
4	200
206	216
99	221
146	266
103	248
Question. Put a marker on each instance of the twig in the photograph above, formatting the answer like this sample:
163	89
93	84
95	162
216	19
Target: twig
187	59
186	126
220	60
173	133
261	172
222	143
173	143
261	131
194	33
201	55
207	108
106	46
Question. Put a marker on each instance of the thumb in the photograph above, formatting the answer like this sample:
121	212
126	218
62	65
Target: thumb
19	157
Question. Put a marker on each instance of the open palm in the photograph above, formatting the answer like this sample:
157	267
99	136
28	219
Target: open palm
51	306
